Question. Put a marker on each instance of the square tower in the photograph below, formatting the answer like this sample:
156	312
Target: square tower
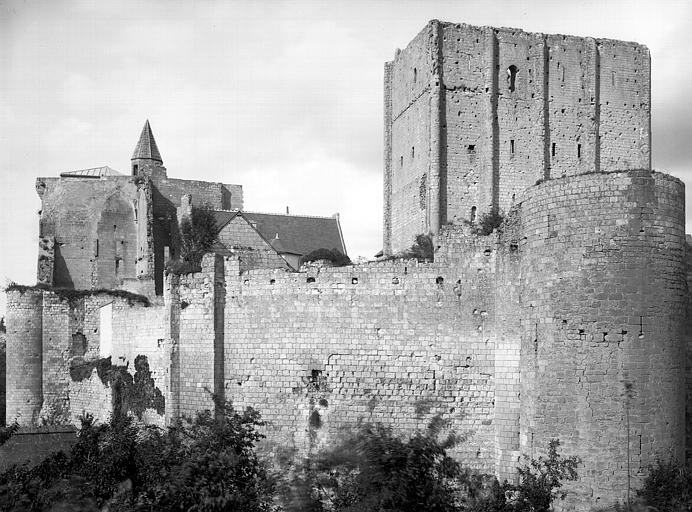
475	115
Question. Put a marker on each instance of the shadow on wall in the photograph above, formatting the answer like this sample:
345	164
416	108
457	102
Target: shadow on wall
61	275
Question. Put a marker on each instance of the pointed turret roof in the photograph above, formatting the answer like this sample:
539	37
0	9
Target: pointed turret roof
146	147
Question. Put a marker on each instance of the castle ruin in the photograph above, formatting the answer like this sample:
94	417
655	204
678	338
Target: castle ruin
569	321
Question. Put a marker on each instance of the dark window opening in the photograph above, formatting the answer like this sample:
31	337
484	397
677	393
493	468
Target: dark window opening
578	150
511	146
512	77
134	169
471	148
552	151
354	280
413	151
415	75
473	213
401	161
310	279
439	280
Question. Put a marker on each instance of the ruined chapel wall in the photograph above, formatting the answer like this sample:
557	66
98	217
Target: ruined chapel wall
94	225
395	342
604	300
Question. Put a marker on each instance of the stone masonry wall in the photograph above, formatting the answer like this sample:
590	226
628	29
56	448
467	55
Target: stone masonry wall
58	368
603	304
3	385
24	357
396	342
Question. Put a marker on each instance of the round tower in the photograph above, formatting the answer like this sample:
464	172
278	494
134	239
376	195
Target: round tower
24	356
602	349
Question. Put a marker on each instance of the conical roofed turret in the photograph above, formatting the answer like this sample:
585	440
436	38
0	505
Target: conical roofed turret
146	151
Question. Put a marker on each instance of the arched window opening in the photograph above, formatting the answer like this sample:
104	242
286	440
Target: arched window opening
512	77
413	152
473	213
415	75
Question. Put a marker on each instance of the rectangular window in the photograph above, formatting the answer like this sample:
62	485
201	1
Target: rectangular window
578	150
553	149
106	330
511	146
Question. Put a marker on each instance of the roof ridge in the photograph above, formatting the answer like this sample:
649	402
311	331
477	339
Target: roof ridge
292	215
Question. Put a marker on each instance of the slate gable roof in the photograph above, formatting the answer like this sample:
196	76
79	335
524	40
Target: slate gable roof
296	234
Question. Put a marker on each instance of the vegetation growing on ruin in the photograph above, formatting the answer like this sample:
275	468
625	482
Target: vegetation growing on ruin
488	222
335	256
422	250
72	295
198	233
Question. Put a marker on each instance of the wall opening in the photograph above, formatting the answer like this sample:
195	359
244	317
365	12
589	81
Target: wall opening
471	148
106	330
552	149
415	75
511	147
413	152
135	167
512	77
578	150
473	213
401	161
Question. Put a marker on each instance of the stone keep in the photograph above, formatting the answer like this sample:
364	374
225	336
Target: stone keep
475	115
569	322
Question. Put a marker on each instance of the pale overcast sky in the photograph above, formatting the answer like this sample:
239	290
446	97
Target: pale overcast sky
284	98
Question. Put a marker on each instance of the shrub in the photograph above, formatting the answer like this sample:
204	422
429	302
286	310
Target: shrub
421	250
198	232
373	470
207	464
338	258
668	487
7	432
488	222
